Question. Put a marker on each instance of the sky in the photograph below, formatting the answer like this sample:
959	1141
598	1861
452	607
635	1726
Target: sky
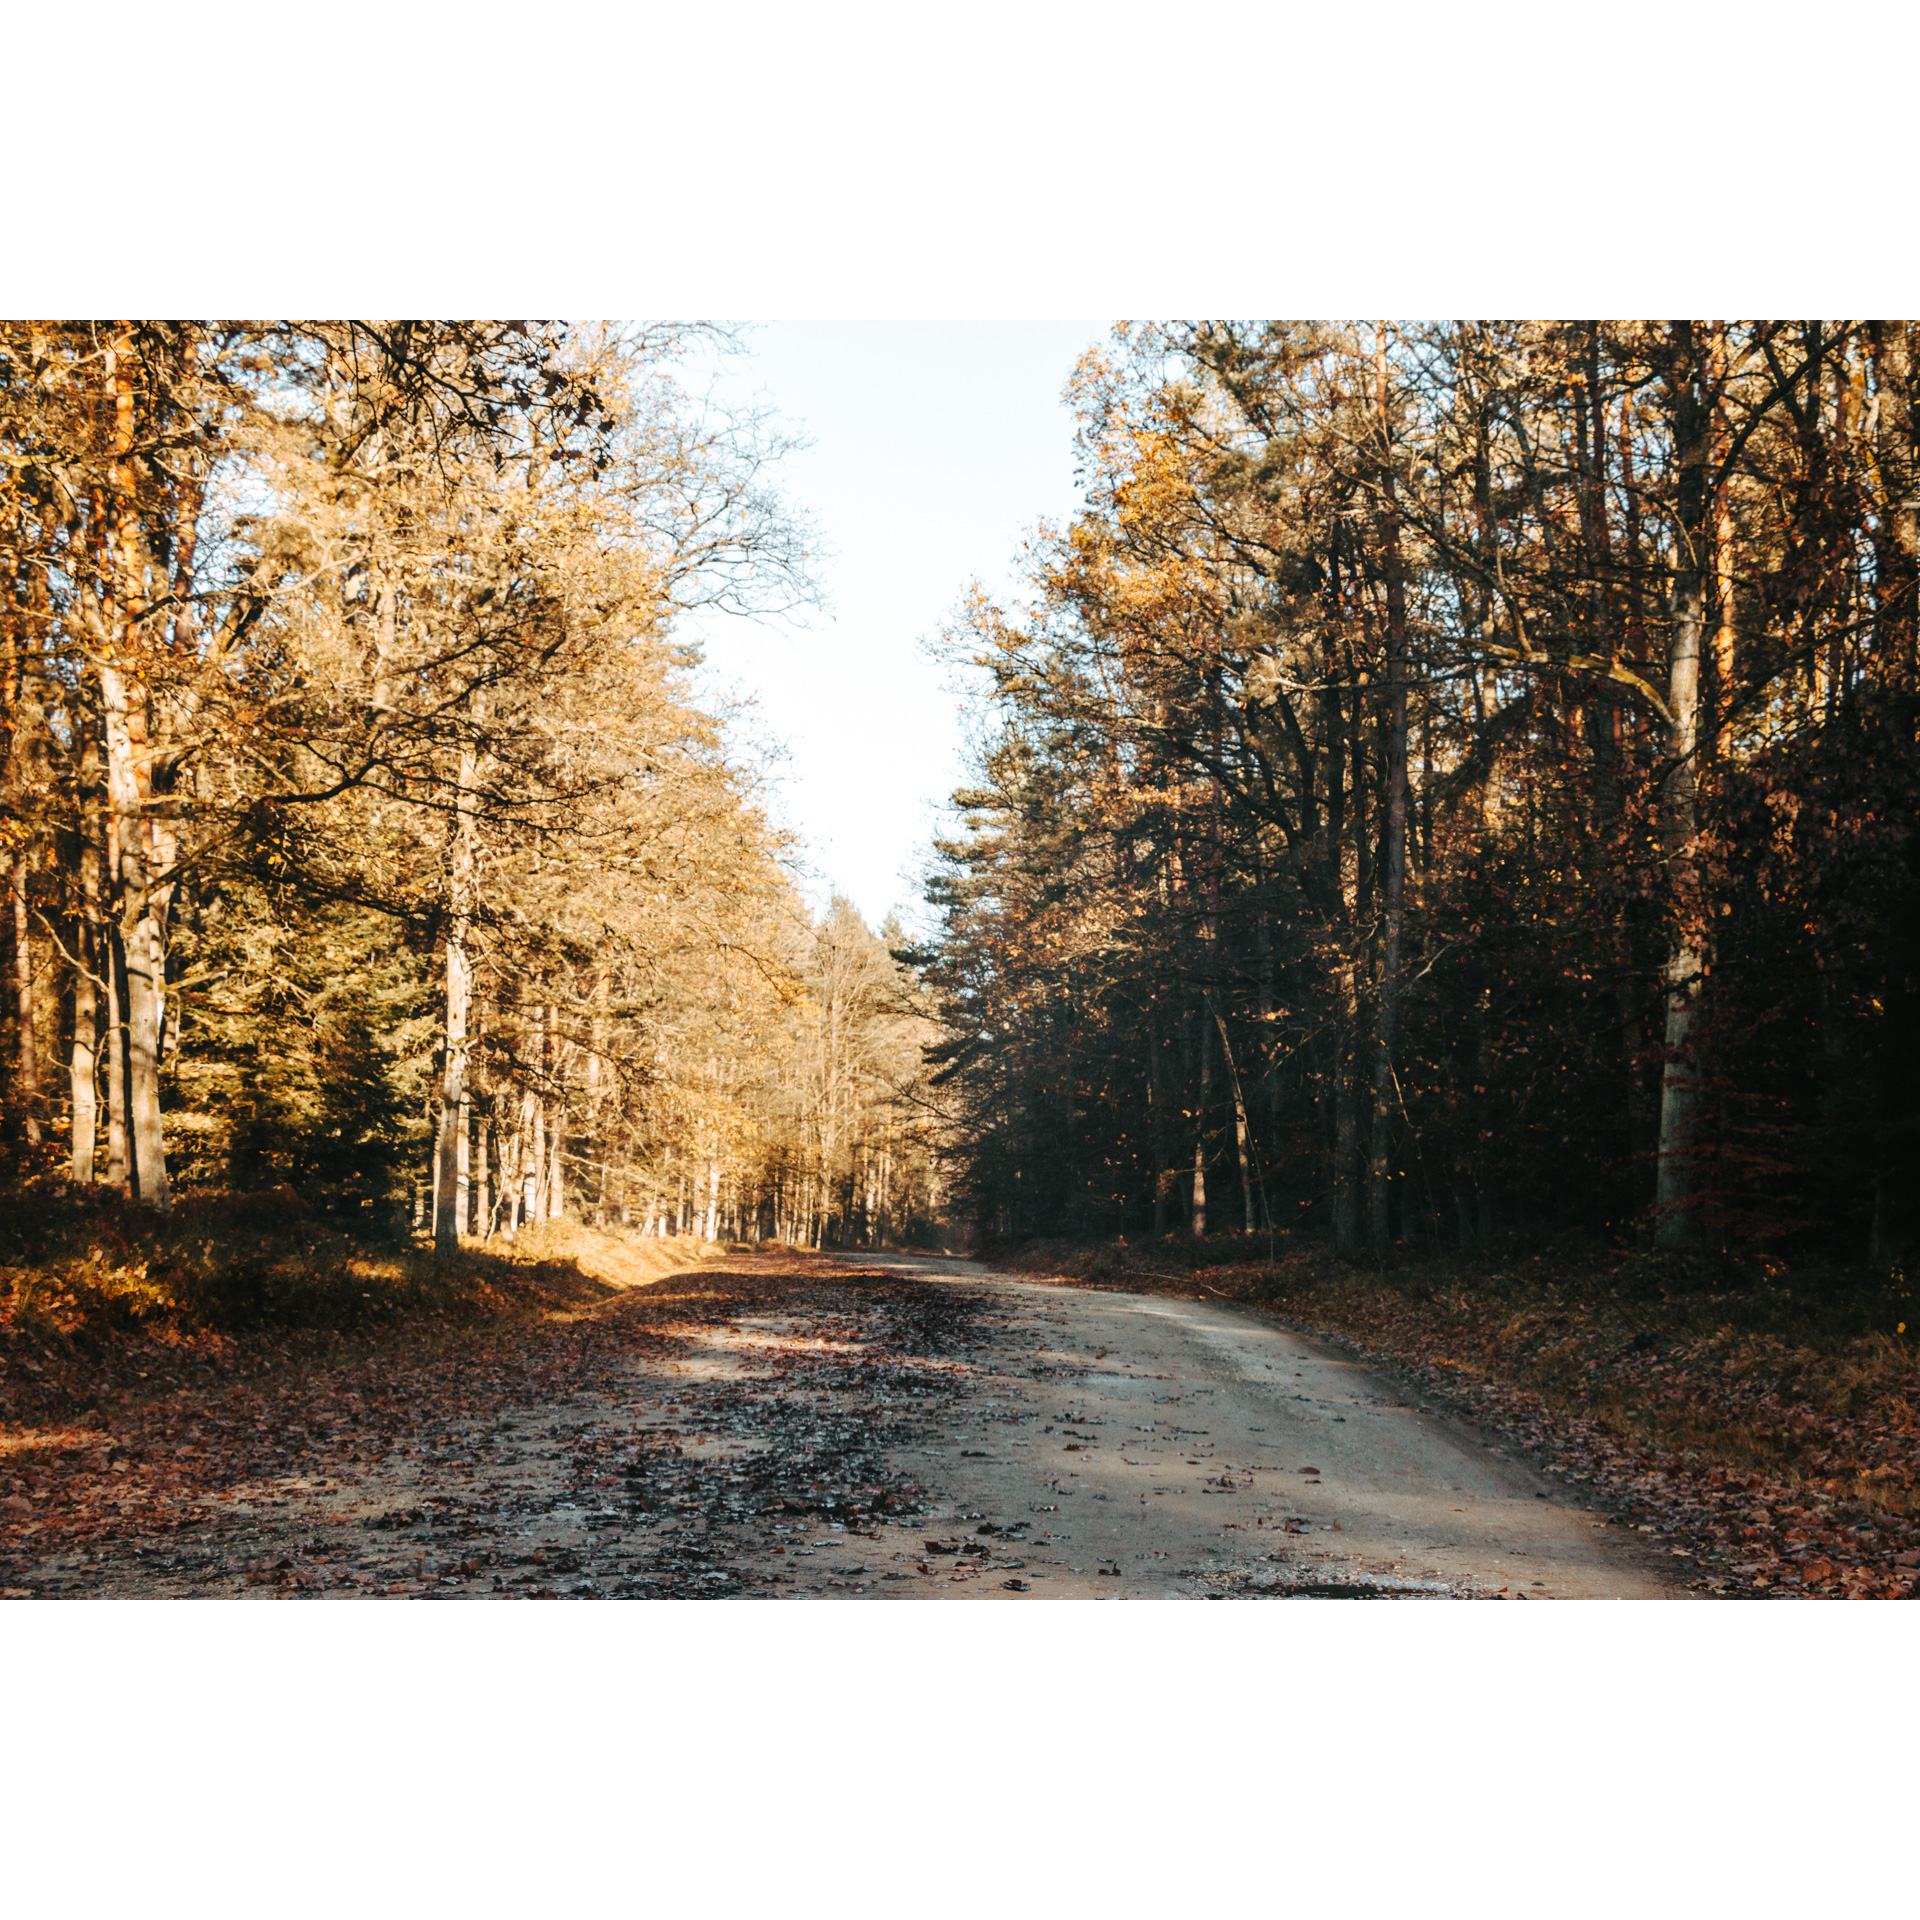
936	445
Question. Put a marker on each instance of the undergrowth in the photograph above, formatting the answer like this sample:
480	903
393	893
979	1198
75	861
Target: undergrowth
93	1287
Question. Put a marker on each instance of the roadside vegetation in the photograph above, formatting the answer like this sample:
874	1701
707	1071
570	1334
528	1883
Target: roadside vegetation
101	1298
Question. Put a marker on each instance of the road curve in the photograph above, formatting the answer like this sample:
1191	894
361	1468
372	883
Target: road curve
1142	1447
835	1426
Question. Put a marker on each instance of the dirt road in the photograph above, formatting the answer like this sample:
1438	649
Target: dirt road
885	1427
1159	1447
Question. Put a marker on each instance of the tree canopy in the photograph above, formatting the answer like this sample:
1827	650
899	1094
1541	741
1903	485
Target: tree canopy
1450	778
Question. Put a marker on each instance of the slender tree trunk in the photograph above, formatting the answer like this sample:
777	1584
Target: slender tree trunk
384	629
1384	1081
449	1209
1678	1222
1269	1065
29	1069
1346	1115
140	896
142	950
1240	1129
119	1171
483	1176
1896	539
595	1075
533	1159
83	1071
1199	1219
463	1166
1725	665
512	1178
1157	1120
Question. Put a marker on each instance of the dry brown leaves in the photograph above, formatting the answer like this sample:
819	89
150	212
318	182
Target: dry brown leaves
212	1464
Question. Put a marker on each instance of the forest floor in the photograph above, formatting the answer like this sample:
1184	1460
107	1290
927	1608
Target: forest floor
780	1424
1765	1428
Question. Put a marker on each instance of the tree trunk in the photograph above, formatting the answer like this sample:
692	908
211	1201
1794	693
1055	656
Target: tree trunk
1346	1116
1896	538
119	1175
463	1166
1199	1218
84	1062
1269	1065
537	1172
1678	1224
1157	1121
1384	1080
142	944
29	1072
483	1177
1724	662
139	896
1240	1130
449	1153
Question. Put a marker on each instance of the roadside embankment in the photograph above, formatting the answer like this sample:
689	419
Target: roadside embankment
99	1298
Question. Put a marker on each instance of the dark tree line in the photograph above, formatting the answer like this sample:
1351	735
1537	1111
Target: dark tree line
1453	779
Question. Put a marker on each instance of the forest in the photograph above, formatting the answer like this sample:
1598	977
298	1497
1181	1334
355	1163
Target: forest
1436	874
364	840
1452	782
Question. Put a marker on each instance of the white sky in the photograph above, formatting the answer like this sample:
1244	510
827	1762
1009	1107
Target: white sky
936	445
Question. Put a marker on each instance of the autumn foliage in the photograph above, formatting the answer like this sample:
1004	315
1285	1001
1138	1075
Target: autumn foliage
365	836
1453	781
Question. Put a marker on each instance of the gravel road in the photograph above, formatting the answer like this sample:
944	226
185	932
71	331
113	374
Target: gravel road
836	1426
1157	1448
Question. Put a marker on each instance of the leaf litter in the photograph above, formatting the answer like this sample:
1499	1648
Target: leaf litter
711	1434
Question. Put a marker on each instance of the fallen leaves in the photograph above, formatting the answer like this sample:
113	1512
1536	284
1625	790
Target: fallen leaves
538	1457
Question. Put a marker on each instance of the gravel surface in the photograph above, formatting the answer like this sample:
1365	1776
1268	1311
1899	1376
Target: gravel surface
790	1425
